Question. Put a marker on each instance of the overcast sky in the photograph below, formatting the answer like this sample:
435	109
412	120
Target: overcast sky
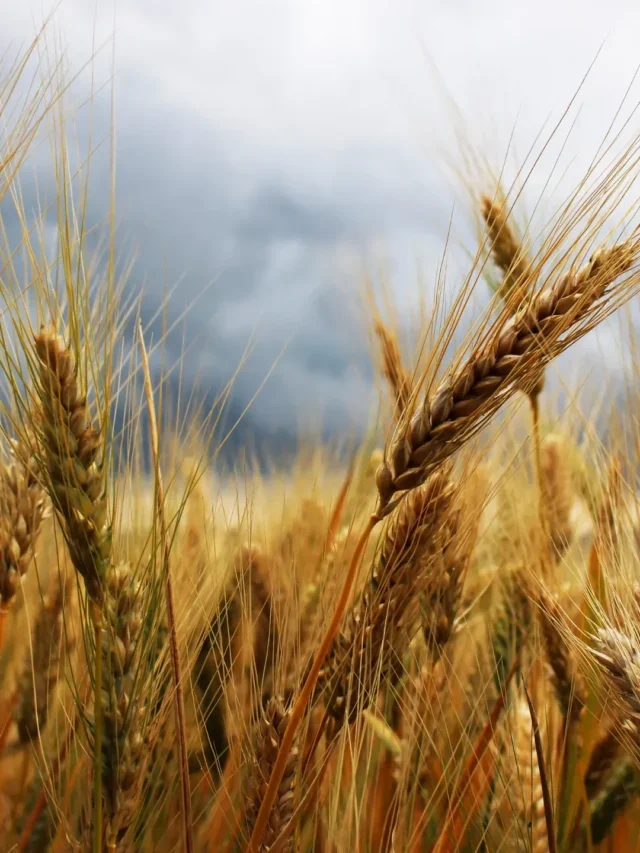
266	149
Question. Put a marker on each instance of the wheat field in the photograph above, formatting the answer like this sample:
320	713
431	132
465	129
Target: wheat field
430	646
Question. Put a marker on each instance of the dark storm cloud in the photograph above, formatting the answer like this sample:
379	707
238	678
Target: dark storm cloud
258	256
263	150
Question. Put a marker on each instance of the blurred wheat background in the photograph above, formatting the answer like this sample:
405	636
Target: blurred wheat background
319	508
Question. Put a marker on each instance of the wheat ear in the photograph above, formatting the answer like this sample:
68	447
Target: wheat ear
263	617
516	349
508	253
22	508
622	786
308	687
41	668
603	757
380	623
123	704
620	659
266	743
556	495
219	649
445	583
518	281
511	627
392	368
73	450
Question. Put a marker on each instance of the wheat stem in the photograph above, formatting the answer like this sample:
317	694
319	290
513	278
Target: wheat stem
534	401
96	616
544	784
447	830
183	759
3	625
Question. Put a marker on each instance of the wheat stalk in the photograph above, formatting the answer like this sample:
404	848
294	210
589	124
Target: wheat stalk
546	843
176	663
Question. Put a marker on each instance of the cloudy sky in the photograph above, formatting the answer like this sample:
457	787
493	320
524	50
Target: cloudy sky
266	150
